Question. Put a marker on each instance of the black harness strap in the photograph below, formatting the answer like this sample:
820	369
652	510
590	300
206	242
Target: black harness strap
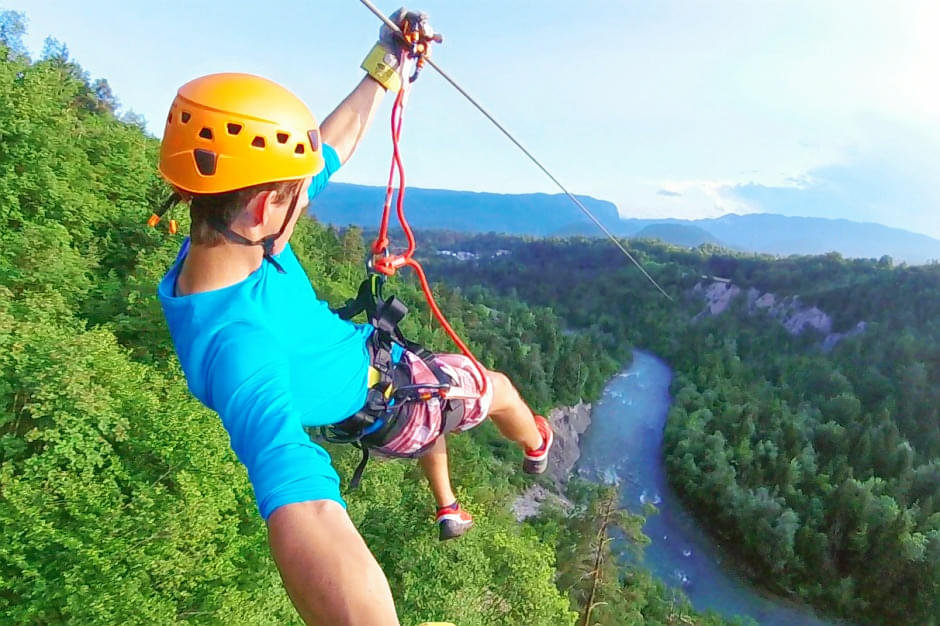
357	474
385	316
364	300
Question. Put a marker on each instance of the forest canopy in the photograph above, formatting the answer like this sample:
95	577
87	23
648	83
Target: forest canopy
817	457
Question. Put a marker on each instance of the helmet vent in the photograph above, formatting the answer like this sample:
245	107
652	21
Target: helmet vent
185	116
205	161
282	137
258	142
206	133
314	136
169	117
299	149
233	129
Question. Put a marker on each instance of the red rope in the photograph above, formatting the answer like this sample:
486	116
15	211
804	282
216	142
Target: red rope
380	245
388	264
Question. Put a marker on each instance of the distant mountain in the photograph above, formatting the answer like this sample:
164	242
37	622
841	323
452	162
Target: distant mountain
778	234
518	214
621	227
679	234
555	215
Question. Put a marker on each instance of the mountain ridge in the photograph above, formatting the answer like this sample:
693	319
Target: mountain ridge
548	215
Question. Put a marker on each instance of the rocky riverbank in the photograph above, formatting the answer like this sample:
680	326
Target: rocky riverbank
568	424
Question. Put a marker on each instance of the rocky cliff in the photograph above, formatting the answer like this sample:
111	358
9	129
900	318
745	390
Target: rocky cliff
789	311
568	424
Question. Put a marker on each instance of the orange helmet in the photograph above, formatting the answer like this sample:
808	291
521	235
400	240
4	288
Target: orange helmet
229	131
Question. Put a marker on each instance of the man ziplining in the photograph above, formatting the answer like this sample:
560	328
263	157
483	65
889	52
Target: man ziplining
259	348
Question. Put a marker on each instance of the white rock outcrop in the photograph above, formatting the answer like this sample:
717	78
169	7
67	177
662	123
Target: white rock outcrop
789	311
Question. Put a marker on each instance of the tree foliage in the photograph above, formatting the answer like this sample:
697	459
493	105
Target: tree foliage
821	467
120	499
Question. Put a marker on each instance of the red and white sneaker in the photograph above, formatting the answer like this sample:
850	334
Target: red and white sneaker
536	461
453	521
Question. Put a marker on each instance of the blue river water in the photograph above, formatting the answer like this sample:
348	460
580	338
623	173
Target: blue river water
623	445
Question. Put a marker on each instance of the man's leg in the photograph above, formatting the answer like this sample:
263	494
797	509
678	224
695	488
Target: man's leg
452	520
434	465
511	414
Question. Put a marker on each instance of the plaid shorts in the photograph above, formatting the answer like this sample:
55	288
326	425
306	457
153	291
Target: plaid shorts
424	422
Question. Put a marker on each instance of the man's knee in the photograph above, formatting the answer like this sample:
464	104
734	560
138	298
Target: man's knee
500	382
504	392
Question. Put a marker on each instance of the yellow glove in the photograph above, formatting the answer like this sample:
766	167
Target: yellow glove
382	62
382	65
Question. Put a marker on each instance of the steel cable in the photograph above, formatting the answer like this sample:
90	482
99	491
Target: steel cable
368	4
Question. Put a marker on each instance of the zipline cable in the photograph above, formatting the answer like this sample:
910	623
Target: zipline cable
368	4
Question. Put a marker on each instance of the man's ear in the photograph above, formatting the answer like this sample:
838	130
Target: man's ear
260	206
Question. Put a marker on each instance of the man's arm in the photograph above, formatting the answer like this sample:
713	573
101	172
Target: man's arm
330	575
344	127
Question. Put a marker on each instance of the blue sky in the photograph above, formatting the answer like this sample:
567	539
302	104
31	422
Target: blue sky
667	108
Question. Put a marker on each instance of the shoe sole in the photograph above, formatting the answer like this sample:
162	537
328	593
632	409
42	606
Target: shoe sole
451	529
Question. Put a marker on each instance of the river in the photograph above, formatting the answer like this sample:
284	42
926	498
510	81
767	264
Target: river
624	445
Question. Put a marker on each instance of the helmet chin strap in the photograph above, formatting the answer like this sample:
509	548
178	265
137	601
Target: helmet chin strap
266	242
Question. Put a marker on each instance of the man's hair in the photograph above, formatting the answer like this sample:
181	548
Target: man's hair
225	207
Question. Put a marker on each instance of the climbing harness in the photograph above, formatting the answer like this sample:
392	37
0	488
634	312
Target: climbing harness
383	261
391	394
395	28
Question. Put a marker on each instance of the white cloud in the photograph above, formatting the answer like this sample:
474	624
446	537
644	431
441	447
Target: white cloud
683	199
891	179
